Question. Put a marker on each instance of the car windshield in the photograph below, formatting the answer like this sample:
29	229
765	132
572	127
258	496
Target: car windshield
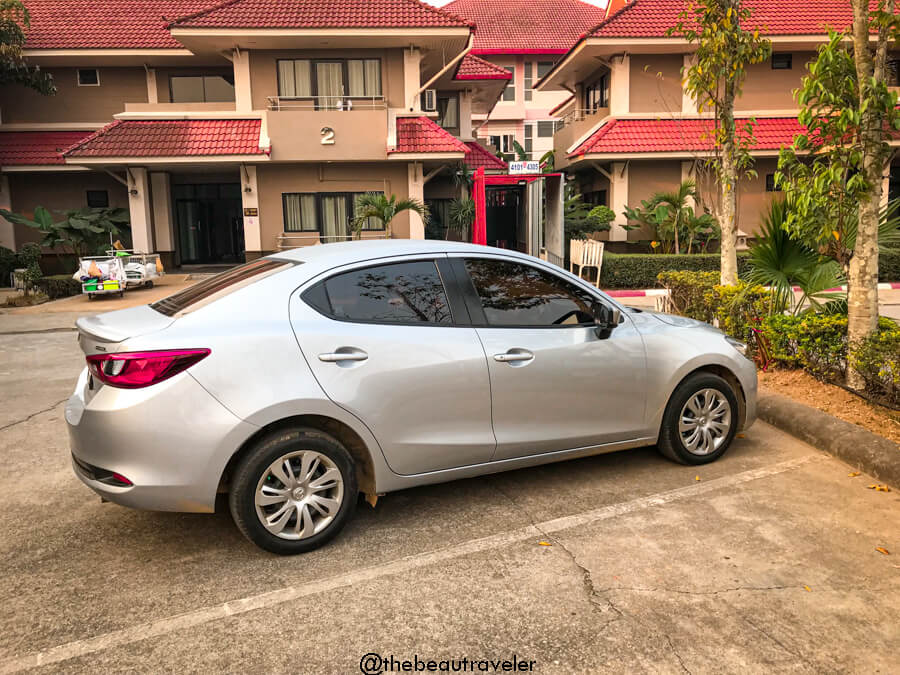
208	290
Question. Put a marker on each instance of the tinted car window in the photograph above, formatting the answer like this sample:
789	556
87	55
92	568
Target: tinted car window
513	294
400	293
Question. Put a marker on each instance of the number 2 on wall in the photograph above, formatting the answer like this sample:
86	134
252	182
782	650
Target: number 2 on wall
327	136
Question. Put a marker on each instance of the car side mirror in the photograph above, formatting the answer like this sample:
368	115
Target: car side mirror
606	318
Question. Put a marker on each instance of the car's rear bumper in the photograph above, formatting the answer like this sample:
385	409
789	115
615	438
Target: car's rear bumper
171	441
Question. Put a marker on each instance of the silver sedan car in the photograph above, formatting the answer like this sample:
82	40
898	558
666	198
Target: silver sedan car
297	381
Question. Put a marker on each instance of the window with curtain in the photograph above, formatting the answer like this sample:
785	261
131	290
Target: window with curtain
448	112
509	94
334	78
597	95
300	213
364	77
330	84
294	78
335	216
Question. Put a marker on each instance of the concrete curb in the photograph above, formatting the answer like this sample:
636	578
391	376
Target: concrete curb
884	286
854	445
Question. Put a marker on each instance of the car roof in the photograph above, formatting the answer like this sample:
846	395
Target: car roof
339	253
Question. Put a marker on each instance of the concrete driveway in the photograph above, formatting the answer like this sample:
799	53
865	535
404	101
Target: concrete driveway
768	562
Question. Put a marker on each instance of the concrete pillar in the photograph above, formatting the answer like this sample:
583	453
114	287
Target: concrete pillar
139	204
618	199
620	85
243	100
465	116
416	190
152	91
163	226
7	230
250	201
688	105
412	78
687	173
885	186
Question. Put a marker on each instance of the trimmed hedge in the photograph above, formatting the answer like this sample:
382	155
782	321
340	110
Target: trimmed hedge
59	286
640	270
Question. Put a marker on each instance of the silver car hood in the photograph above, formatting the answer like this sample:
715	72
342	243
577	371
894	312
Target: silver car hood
679	321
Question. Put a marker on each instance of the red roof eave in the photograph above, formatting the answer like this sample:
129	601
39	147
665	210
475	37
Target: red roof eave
37	148
418	135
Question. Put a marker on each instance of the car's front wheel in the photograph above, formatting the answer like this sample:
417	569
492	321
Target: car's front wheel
700	420
293	491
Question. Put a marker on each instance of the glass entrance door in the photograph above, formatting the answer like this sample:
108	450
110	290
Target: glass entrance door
210	223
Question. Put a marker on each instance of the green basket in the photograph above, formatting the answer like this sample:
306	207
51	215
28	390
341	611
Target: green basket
90	286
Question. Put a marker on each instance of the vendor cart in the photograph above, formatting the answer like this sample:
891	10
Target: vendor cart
140	268
101	275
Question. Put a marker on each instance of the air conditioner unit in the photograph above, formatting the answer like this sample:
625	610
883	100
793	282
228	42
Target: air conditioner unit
429	100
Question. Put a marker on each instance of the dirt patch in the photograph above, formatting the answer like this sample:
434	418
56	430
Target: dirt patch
806	389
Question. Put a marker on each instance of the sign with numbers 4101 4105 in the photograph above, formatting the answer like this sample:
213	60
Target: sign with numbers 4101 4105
524	167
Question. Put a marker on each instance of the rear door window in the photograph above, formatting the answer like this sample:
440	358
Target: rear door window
513	294
405	293
208	290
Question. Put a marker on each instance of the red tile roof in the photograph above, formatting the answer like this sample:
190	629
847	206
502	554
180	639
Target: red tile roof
106	24
680	135
420	134
472	67
478	156
18	148
322	14
171	138
527	26
652	18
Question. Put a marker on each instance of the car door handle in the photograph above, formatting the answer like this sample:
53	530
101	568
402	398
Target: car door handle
514	355
350	354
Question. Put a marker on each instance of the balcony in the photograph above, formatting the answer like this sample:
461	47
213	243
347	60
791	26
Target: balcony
327	128
163	109
571	127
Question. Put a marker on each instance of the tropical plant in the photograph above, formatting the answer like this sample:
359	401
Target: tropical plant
521	155
674	220
580	219
833	171
781	261
461	214
383	209
14	20
725	47
548	161
85	231
463	178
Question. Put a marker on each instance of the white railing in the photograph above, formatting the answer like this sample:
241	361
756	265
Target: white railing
576	115
326	102
298	240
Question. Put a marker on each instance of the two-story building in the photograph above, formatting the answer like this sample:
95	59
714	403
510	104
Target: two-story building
525	37
629	130
235	129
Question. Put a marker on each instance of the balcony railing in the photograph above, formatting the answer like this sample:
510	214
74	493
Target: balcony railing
288	241
578	115
326	102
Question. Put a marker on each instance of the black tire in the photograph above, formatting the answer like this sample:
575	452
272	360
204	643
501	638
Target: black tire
670	443
256	462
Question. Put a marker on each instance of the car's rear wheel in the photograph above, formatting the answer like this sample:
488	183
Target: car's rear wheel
700	420
293	491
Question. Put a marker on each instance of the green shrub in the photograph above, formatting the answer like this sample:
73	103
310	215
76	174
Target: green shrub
7	264
29	255
59	286
739	309
689	292
877	359
889	264
640	270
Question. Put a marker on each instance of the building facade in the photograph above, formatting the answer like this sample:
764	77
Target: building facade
527	38
239	129
628	130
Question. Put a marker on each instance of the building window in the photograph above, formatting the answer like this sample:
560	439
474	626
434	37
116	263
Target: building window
595	198
201	88
505	145
770	183
332	79
545	128
328	213
782	61
448	113
544	67
529	139
529	80
509	94
596	96
88	77
98	199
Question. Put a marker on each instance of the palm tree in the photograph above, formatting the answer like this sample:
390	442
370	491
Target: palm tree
678	205
383	208
462	215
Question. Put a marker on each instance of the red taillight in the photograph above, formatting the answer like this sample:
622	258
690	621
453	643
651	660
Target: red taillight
133	370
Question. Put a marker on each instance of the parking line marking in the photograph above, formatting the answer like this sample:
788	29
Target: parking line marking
124	636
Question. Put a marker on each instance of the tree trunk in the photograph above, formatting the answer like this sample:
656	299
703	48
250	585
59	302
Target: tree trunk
862	281
727	186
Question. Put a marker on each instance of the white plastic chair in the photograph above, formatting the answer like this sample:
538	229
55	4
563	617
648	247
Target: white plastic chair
586	253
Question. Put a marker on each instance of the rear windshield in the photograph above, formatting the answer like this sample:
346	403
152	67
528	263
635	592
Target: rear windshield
204	292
